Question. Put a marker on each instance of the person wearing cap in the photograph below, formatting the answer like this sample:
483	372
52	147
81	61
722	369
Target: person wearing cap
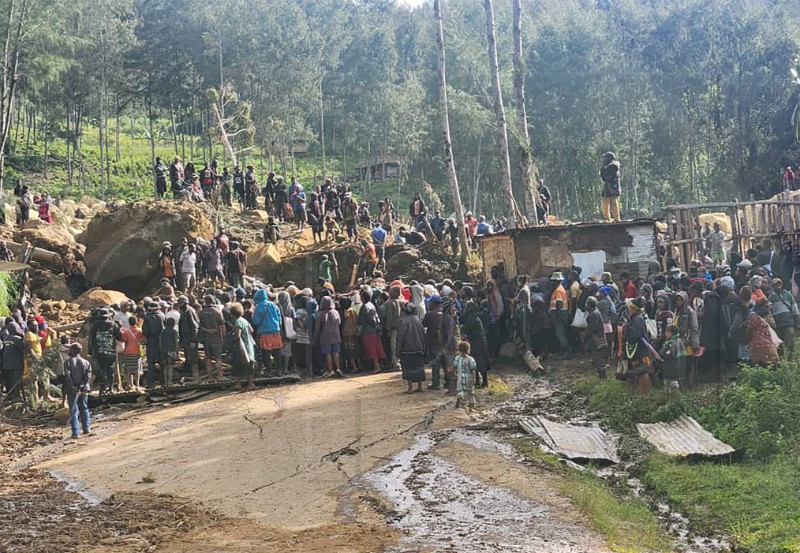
786	314
77	375
559	310
103	348
212	334
610	175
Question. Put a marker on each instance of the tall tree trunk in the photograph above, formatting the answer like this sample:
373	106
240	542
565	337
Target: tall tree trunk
322	126
527	165
445	123
223	134
108	146
152	139
117	153
191	134
172	125
500	117
101	125
11	53
46	129
69	144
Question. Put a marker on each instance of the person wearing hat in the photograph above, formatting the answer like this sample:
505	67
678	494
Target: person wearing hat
559	311
610	174
77	375
103	349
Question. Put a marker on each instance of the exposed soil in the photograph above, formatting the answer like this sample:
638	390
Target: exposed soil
347	465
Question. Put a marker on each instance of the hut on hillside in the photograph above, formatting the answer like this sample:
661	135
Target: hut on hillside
628	246
378	167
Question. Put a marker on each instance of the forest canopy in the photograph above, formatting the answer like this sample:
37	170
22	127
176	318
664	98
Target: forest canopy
696	97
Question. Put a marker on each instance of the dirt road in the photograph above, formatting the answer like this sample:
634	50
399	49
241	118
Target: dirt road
345	465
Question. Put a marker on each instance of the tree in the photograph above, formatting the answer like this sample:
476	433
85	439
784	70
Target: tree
527	165
235	129
500	116
445	123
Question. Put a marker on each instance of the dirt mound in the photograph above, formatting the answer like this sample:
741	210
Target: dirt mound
421	264
97	297
261	256
53	238
61	312
123	244
303	269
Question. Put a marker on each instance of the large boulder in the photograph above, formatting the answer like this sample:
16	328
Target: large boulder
261	257
52	237
398	262
50	286
123	245
97	297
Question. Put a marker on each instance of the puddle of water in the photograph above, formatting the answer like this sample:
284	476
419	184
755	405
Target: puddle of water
442	510
91	498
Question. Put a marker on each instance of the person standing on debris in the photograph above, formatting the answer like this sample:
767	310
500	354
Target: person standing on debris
44	202
166	263
160	171
609	173
272	232
378	236
176	172
789	179
212	333
238	186
133	341
416	210
103	348
189	268
268	322
543	205
77	373
250	188
188	329
5	252
226	187
23	206
207	180
154	321
349	217
236	265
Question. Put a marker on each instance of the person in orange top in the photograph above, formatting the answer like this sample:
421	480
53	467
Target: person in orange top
559	311
370	256
471	224
133	339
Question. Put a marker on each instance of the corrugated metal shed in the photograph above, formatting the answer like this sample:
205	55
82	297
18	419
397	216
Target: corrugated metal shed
579	443
683	437
538	251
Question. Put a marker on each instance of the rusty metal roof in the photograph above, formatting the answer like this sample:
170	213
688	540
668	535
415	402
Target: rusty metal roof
683	437
586	443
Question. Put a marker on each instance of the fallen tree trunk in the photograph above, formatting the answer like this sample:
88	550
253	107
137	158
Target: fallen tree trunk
40	255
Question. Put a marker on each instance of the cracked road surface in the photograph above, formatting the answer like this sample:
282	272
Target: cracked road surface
278	455
344	466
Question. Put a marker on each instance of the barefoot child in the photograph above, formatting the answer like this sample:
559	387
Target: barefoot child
464	368
674	367
331	229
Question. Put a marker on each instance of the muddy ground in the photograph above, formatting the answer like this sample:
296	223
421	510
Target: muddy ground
347	465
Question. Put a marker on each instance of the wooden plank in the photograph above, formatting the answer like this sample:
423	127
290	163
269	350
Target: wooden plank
722	205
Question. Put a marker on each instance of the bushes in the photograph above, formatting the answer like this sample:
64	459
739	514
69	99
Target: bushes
759	414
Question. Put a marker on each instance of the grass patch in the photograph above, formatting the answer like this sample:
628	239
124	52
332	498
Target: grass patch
148	478
498	388
625	521
757	503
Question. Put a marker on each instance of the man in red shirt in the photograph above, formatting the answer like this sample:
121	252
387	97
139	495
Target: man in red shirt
628	287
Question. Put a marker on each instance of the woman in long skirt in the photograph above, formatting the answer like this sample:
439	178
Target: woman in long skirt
411	347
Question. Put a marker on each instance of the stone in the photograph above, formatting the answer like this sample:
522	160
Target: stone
123	245
97	297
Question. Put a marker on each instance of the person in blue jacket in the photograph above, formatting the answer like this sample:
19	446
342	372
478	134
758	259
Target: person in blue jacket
268	321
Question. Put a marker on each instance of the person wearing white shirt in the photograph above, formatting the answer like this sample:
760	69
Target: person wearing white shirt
188	263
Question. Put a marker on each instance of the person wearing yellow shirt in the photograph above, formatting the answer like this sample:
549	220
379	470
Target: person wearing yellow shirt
34	366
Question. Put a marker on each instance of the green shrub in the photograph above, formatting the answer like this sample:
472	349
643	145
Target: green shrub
758	414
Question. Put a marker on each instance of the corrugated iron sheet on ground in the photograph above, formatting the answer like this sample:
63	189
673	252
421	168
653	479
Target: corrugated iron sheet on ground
573	442
683	437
